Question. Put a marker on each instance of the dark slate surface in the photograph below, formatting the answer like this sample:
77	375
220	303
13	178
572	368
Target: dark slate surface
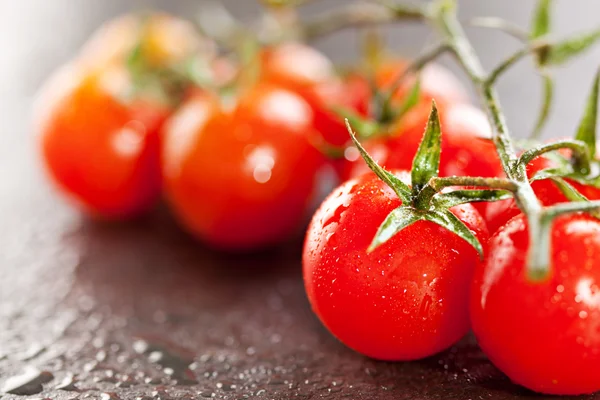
140	311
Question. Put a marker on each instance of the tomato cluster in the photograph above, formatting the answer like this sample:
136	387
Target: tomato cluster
237	155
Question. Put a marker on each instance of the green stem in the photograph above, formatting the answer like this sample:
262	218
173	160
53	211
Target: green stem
518	55
501	24
436	184
360	14
525	198
570	208
581	156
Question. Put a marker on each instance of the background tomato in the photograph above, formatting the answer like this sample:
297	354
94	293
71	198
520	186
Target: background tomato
309	73
407	299
544	335
100	151
241	179
165	40
437	82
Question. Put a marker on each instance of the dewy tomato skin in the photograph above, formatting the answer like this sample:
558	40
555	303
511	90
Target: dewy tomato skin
102	153
241	179
544	336
406	300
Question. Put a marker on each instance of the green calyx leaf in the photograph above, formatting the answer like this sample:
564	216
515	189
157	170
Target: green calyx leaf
397	220
446	219
541	19
404	216
559	172
566	50
410	101
399	187
569	191
426	163
540	27
365	128
587	127
458	197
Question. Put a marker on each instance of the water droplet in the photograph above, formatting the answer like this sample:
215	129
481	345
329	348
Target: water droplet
68	383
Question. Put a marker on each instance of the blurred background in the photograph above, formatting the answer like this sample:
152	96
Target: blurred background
64	284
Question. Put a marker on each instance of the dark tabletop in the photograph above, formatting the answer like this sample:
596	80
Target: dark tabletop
141	311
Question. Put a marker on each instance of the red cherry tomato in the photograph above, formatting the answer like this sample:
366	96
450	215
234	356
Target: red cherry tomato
498	213
544	336
408	298
241	179
101	151
466	146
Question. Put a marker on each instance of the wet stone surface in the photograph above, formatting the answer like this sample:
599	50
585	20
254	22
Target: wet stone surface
140	311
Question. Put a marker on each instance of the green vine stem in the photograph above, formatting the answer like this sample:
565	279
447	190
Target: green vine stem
581	156
437	184
359	14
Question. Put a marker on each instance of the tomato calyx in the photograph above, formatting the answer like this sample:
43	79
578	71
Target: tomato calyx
423	199
384	111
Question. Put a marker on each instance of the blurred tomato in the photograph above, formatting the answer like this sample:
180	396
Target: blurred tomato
165	40
311	74
436	82
100	149
241	178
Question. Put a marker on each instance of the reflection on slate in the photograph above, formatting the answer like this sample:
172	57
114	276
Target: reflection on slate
140	311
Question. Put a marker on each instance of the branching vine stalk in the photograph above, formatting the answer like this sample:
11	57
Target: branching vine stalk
442	16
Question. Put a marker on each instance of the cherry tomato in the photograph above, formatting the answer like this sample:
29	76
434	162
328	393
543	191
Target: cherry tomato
544	335
241	179
499	213
407	299
466	146
100	150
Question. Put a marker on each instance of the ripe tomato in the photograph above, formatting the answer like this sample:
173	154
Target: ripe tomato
100	151
544	336
241	179
407	299
466	146
499	213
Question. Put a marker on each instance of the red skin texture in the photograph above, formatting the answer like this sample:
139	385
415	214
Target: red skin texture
406	300
544	336
241	179
499	213
102	153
